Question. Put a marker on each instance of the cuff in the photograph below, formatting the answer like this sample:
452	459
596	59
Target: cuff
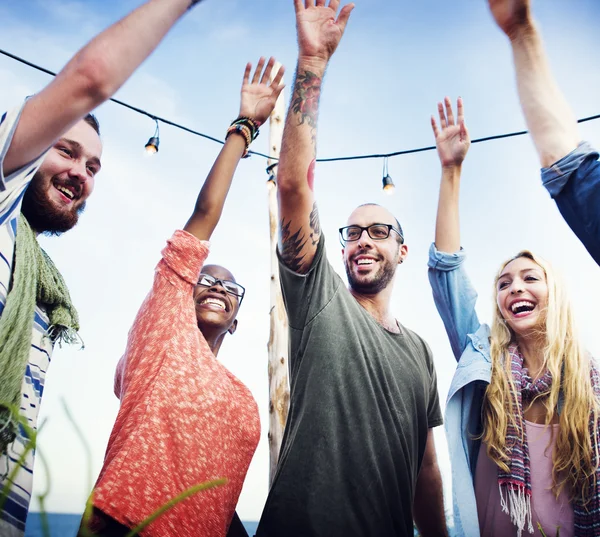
443	260
185	255
556	176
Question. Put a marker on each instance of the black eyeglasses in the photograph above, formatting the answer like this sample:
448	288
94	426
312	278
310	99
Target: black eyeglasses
233	288
377	232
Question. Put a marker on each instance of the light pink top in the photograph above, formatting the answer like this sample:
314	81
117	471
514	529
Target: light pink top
547	510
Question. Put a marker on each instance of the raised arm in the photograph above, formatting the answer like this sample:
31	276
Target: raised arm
319	34
94	74
258	100
549	118
453	293
452	142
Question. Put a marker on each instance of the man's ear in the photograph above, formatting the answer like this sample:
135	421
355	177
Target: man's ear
233	327
403	253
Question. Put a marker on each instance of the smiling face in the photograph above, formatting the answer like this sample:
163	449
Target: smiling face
216	309
58	191
522	296
371	264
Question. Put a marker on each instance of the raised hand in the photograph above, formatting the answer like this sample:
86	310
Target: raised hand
451	138
511	15
260	95
319	30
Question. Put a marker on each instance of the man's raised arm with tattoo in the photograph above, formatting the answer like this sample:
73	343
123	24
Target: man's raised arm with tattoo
570	167
319	34
357	454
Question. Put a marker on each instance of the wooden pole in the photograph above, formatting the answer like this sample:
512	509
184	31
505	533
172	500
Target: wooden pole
279	390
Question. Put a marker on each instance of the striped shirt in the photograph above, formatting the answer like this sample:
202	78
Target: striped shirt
12	188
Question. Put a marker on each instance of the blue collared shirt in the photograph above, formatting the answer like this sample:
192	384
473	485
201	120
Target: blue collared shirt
455	299
574	184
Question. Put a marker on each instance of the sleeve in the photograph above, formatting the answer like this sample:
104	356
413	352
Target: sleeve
305	295
19	179
454	297
434	411
166	312
574	184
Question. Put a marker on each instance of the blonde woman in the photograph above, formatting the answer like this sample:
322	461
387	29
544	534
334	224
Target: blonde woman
522	410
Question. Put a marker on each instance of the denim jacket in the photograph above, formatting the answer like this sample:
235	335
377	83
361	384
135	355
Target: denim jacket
455	299
574	184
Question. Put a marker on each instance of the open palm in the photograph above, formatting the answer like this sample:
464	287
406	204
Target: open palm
259	95
451	138
319	31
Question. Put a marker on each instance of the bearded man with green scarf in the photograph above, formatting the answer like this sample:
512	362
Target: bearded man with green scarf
50	153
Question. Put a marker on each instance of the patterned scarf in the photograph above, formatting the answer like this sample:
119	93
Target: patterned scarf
35	279
515	485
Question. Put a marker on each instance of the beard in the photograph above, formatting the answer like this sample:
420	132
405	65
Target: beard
372	284
42	215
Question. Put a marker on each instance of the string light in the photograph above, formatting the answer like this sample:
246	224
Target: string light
334	159
388	184
152	145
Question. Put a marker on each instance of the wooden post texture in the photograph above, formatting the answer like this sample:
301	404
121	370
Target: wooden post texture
279	390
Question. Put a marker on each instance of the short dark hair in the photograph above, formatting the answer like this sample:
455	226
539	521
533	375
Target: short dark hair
400	237
92	121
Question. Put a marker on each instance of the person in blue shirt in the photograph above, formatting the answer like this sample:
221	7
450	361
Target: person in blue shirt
522	410
571	171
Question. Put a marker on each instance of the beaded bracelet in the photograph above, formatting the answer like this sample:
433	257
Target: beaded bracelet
246	127
252	124
245	132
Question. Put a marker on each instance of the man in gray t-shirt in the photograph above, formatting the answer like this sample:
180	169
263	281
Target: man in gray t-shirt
358	457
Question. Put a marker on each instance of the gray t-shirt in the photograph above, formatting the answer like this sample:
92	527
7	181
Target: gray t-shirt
362	401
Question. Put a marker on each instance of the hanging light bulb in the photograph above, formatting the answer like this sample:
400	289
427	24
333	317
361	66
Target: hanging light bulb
271	182
388	184
152	145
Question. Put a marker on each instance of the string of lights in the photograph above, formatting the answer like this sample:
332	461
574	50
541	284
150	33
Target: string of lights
152	145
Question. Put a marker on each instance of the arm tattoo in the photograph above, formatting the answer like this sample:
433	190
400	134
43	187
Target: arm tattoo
291	247
315	225
307	92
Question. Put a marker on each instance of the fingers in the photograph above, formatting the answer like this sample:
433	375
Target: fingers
298	5
434	126
449	113
460	110
267	74
334	4
309	3
443	123
247	73
259	68
344	16
278	78
320	3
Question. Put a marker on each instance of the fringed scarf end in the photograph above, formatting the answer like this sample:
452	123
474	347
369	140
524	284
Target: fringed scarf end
517	503
63	334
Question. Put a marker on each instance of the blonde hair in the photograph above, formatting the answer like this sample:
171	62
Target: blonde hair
575	457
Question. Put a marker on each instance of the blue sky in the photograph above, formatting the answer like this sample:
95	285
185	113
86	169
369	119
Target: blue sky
397	60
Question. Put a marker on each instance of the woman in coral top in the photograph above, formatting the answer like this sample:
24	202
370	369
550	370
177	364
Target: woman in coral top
522	411
184	418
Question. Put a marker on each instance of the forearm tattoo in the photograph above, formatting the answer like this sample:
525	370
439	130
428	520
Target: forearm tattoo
291	246
305	103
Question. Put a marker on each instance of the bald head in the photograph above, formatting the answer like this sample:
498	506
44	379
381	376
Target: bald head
375	214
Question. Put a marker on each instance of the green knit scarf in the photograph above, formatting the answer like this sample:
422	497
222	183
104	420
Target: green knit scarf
35	279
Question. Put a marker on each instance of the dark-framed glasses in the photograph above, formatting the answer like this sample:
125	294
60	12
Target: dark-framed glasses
377	232
233	288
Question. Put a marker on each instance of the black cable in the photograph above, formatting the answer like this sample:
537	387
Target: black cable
333	159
